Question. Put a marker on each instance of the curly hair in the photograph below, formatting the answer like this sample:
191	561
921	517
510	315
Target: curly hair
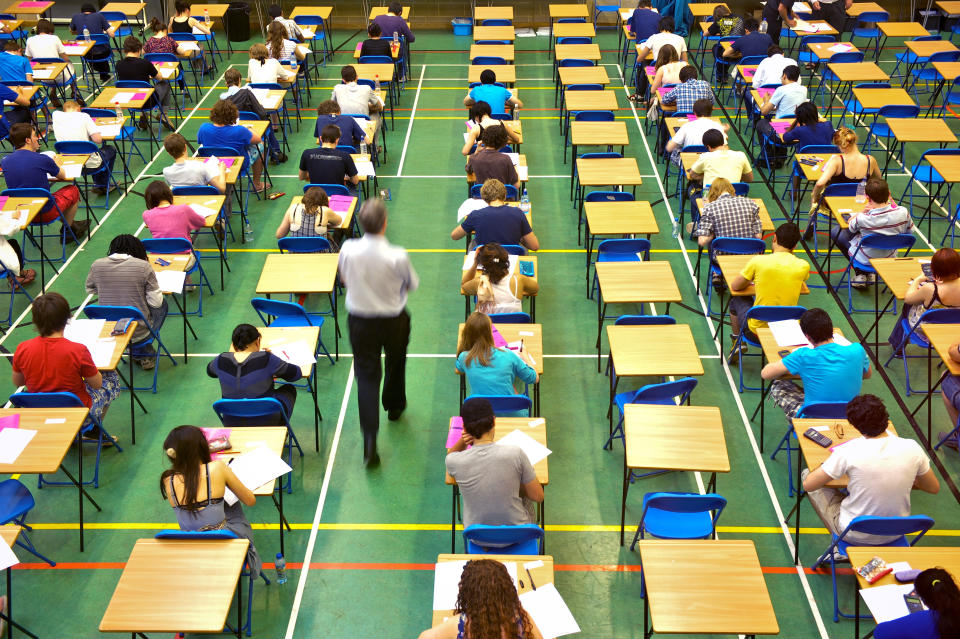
224	113
490	602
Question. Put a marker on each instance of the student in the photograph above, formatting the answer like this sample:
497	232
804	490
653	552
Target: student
375	45
498	483
166	219
784	100
134	67
727	214
95	23
691	132
313	217
11	256
776	12
880	216
664	35
489	91
940	291
50	363
939	593
26	168
719	161
834	12
281	48
668	67
72	124
489	278
480	120
830	372
488	162
292	28
688	91
248	372
188	171
245	100
13	66
195	484
125	278
328	164
392	22
497	222
48	45
183	22
724	23
848	167
161	42
355	98
750	44
328	112
882	469
19	112
223	130
490	370
808	128
770	69
263	69
643	21
777	278
487	606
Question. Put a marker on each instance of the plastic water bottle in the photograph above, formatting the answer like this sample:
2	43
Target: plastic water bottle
86	33
396	39
861	192
763	26
247	232
525	202
376	83
363	148
281	565
206	15
676	228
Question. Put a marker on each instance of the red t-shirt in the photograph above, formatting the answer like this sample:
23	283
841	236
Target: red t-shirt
55	365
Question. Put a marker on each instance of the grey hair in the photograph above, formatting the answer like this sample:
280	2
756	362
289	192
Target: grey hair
373	215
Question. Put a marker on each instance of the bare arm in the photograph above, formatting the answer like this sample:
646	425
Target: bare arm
220	182
747	176
773	370
242	492
94	382
470	141
18	378
530	241
927	482
515	102
202	26
816	479
284	227
354	179
918	293
740	283
828	171
533	491
458	234
303	175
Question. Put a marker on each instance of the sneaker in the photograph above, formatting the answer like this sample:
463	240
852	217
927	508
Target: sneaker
949	440
872	278
108	440
26	277
688	228
839	557
146	363
736	352
859	281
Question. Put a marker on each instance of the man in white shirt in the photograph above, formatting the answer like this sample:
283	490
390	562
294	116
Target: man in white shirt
47	45
187	171
770	71
691	133
378	277
882	469
355	98
664	36
293	29
73	125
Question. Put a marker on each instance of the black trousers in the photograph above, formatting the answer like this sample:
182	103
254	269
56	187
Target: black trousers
369	336
774	25
834	13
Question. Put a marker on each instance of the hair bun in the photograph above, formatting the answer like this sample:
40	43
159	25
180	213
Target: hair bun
171	453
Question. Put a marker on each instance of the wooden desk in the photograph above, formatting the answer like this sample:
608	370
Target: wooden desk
573	30
942	337
766	223
608	171
199	604
661	438
926	48
598	133
321	12
31	8
641	351
861	7
876	98
575	101
493	13
505	51
921	130
858	71
583	75
822	49
581	51
380	11
248	437
129	9
106	99
705	586
494	33
9	534
616	218
902	29
568	11
896	272
506	73
47	72
704	9
346	215
919	557
78	48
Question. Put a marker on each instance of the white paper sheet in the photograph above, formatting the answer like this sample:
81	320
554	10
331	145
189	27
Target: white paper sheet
188	46
362	123
446	582
254	469
840	47
298	353
102	351
307	33
534	450
205	211
166	72
886	602
171	281
12	443
109	130
122	98
365	168
7	557
84	331
523	173
72	171
42	74
514	157
802	7
74	48
788	333
469	258
549	611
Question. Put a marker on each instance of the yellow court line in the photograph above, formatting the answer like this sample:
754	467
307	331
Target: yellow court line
454	250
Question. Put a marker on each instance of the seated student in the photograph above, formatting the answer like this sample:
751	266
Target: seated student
275	11
11	256
665	35
328	112
161	42
643	21
830	372
183	22
72	124
134	67
785	99
313	217
497	222
880	216
668	67
497	290
808	128
392	22
923	294
14	67
50	363
328	164
882	469
355	98
223	130
719	161
488	162
195	484
165	219
247	372
688	91
940	594
770	69
25	168
189	171
493	94
95	23
245	100
480	120
281	48
498	483
691	133
375	45
487	606
725	23
490	370
125	278
751	43
263	69
777	278
46	44
950	387
18	113
726	214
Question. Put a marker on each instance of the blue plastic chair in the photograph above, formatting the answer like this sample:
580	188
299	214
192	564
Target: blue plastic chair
67	400
730	246
55	85
202	59
126	133
664	393
16	34
304	245
619	250
575	40
577	188
37	223
928	74
909	58
15	502
828	76
668	515
488	60
288	314
83	147
319	35
914	337
331	189
178	81
15	287
951	96
870	33
763	314
496	22
179	246
122	31
263	409
523	539
804	54
225	533
606	7
510	318
898	527
903	241
116	313
880	129
512	193
820	410
91	75
506	405
576	62
924	174
149	136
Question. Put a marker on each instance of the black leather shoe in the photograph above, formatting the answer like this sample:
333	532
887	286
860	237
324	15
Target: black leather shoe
394	414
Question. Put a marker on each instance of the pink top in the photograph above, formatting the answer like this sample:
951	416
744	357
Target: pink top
173	221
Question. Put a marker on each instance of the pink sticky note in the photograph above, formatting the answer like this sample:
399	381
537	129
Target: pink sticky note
650	70
691	117
227	162
359	45
748	72
139	96
11	421
341	203
32	5
3	200
456	430
498	340
214	433
765	93
780	127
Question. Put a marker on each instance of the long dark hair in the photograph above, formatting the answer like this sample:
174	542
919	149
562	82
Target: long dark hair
187	448
244	335
129	245
939	591
276	34
495	261
490	603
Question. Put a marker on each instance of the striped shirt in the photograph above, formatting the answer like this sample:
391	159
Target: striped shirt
122	280
889	219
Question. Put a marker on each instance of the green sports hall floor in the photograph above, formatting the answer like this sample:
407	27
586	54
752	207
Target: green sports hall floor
371	537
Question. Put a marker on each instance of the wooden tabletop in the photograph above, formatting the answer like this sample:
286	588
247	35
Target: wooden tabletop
605	100
602	133
275	338
842	207
34	8
815	454
494	33
950	7
948	166
128	8
628	282
505	51
896	272
9	533
858	71
942	337
249	437
215	10
24	208
298	273
106	98
583	75
823	52
535	427
46	450
828	31
876	98
703	9
373	71
919	557
568	11
582	51
902	29
48	71
608	171
120	343
766	223
103	122
380	11
661	437
77	48
531	334
620	218
732	265
861	7
323	12
921	130
574	29
653	350
926	48
506	73
706	586
153	596
493	13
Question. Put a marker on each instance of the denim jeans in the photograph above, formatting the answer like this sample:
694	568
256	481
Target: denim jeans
157	316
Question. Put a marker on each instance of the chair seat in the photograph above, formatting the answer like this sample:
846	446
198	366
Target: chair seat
925	173
808	58
672	525
909	57
930	75
854	107
618	257
292	322
15	500
916	338
881	130
866	32
622	399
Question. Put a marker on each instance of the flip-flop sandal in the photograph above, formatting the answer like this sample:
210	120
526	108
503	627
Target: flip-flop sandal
636	98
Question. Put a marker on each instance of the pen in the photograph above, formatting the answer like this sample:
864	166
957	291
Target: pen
529	576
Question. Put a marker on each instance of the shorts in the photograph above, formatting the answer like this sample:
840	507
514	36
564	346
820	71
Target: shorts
108	391
951	389
66	198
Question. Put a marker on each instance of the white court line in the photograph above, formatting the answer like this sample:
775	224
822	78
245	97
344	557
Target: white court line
308	555
413	114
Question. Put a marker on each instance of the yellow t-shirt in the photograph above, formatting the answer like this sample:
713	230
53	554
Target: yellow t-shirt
778	278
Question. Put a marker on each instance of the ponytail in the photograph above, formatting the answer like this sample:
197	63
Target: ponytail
939	591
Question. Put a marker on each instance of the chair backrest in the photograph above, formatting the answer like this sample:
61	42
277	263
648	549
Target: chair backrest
873	16
506	403
114	313
774	313
510	318
29	192
331	189
941	316
508	540
576	62
183	37
45	400
272	86
944	56
496	22
219	151
160	57
900	241
685	502
275	308
741	188
303	245
200	189
841	190
609	196
366	83
376	59
575	40
751	59
584	87
132	84
811	39
512	194
501	117
492	42
488	59
249	408
514	249
593	116
175	533
890	526
624	246
247	115
98	38
310	20
898	111
653	393
819	148
601	155
824	410
75	146
846	56
738	245
644	320
694	148
939	152
349	148
571	20
477	84
166	245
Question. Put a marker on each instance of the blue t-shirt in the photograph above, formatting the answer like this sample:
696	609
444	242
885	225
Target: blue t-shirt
787	98
644	23
350	131
754	43
25	169
500	224
819	133
918	625
497	378
6	95
233	136
494	95
830	372
95	22
14	68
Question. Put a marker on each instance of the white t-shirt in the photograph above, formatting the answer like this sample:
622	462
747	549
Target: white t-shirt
76	126
190	173
770	71
47	45
692	132
881	471
269	71
657	40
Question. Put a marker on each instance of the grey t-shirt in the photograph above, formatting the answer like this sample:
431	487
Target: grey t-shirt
490	477
190	173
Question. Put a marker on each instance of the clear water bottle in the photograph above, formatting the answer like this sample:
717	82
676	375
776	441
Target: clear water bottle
396	39
676	228
281	565
86	33
763	26
525	202
376	83
363	148
206	16
861	192
247	233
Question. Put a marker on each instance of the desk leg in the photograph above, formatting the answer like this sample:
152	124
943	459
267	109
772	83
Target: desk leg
623	497
316	409
573	167
712	484
336	324
796	521
453	521
536	399
8	617
647	630
239	628
283	520
600	312
133	396
81	493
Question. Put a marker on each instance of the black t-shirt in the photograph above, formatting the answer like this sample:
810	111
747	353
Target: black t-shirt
376	46
136	69
327	166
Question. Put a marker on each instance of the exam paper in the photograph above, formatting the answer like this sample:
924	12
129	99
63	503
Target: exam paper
109	130
12	443
365	168
788	333
122	98
42	74
205	211
522	173
7	557
254	469
549	611
171	281
446	582
83	331
534	450
886	602
102	351
297	353
72	171
514	157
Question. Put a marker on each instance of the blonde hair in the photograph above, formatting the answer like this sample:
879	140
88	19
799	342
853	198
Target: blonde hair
845	138
493	190
71	105
477	339
259	52
719	187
